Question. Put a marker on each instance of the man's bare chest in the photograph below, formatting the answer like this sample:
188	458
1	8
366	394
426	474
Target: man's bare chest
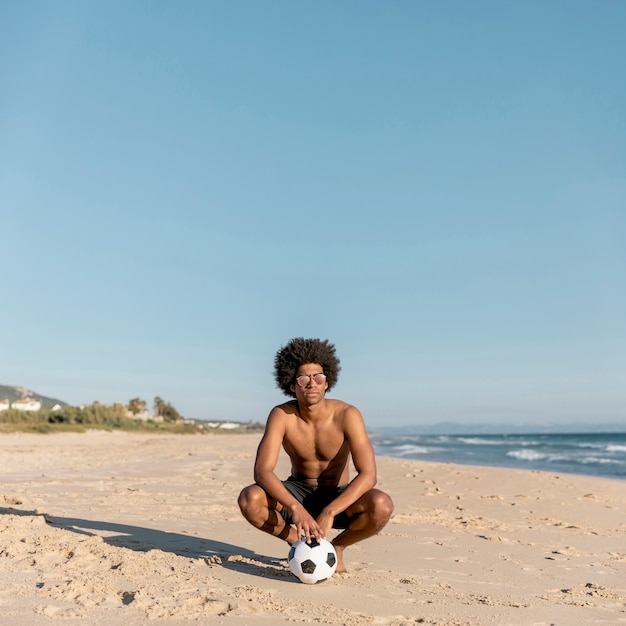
314	444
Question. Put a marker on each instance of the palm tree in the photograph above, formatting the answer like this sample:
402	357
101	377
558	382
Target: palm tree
137	405
159	405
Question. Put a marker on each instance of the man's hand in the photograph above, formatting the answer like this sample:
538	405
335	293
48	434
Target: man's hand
306	526
325	522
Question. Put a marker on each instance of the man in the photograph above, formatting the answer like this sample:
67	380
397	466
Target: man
320	436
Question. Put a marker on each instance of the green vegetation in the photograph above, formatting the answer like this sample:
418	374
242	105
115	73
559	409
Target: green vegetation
57	416
165	410
79	419
98	416
137	405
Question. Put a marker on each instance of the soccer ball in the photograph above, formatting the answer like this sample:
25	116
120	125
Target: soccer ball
312	562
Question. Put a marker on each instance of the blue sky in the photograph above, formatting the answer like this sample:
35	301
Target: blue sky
437	188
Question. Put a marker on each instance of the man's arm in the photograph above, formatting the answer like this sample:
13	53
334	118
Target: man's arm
265	475
364	463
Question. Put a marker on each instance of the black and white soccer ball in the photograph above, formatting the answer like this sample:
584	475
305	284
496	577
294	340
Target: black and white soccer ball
312	562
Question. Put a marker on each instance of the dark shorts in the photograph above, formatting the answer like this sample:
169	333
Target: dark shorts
314	499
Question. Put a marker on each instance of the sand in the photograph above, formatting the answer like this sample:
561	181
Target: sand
118	528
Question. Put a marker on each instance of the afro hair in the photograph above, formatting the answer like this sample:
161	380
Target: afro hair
300	351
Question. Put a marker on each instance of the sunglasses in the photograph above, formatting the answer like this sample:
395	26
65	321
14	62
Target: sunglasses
318	379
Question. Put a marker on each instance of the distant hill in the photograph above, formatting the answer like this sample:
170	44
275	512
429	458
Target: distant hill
18	393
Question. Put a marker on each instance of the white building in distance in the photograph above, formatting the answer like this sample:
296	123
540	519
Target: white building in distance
27	404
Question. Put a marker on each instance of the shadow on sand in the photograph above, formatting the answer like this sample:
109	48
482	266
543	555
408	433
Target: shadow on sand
141	539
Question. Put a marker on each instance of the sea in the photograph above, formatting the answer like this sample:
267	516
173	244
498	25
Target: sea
591	454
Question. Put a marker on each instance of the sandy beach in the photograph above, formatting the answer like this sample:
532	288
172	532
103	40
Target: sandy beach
116	528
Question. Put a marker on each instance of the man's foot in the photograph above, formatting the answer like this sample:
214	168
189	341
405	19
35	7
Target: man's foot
341	568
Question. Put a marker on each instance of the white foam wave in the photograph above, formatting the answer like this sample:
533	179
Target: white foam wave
408	448
477	441
527	455
615	448
533	455
598	459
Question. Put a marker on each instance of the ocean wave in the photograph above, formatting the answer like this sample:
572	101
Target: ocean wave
599	459
477	441
408	448
527	455
533	455
592	454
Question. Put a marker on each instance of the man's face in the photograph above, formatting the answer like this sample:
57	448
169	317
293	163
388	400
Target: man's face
310	384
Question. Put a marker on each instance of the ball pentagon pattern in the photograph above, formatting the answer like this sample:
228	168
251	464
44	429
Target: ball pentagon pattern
312	562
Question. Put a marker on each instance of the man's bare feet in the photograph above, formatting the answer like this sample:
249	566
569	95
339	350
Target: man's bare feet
341	567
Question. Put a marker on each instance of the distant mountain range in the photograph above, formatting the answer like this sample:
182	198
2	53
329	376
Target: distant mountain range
18	393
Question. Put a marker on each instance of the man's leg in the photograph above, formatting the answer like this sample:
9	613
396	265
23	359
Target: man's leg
368	515
263	512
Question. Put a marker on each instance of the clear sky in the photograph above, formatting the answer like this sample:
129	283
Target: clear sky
439	188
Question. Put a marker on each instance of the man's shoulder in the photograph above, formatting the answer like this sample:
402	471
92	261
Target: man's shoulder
340	404
280	417
342	409
287	408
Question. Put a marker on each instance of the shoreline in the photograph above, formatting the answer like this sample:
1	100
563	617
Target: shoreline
428	456
112	527
601	455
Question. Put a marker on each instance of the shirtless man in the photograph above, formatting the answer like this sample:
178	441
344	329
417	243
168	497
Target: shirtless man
319	435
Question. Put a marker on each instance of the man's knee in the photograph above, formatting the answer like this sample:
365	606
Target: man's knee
381	507
251	498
